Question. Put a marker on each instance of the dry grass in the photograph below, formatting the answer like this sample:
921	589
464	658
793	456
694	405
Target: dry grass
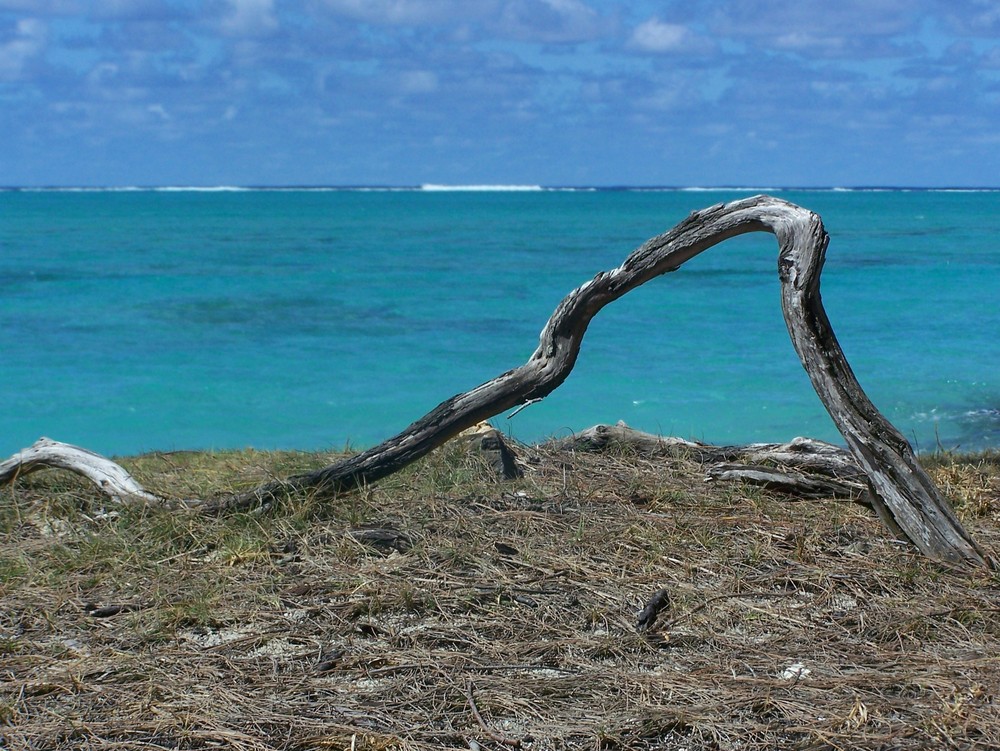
442	609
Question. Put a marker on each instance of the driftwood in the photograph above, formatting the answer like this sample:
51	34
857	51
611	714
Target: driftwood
621	436
112	479
901	492
803	467
791	483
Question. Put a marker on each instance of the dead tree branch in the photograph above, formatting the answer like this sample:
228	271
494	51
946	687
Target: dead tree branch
112	479
902	493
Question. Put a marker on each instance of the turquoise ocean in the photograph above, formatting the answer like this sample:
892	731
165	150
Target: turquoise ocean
167	319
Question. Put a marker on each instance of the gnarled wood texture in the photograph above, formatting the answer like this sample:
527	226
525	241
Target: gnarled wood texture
803	467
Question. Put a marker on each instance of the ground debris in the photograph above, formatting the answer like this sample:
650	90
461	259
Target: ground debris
657	603
442	610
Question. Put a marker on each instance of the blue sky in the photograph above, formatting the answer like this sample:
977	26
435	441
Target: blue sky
554	92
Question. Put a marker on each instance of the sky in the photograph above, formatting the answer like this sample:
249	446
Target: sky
551	92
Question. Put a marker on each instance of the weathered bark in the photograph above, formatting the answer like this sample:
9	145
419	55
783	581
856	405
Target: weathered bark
901	491
493	448
112	479
621	436
794	484
803	467
807	454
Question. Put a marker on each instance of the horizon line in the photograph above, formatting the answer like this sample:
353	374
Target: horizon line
485	188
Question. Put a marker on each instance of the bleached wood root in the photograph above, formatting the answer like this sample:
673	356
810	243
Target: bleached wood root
110	478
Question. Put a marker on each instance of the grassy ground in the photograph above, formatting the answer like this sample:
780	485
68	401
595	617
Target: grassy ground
444	609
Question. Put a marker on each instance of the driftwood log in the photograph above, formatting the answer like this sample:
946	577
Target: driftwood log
900	491
112	479
803	467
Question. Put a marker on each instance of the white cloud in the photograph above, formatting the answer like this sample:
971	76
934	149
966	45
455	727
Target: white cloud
102	74
812	44
42	7
848	29
654	35
991	58
549	21
418	82
249	18
545	21
29	41
975	17
97	9
403	12
158	110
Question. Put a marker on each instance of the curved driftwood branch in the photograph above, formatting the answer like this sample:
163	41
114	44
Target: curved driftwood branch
112	479
901	491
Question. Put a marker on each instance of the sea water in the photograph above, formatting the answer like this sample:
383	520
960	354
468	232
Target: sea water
138	320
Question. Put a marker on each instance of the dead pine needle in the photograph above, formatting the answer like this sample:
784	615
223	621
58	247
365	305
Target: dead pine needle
444	608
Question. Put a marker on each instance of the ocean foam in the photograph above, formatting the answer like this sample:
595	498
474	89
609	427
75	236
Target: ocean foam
481	188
